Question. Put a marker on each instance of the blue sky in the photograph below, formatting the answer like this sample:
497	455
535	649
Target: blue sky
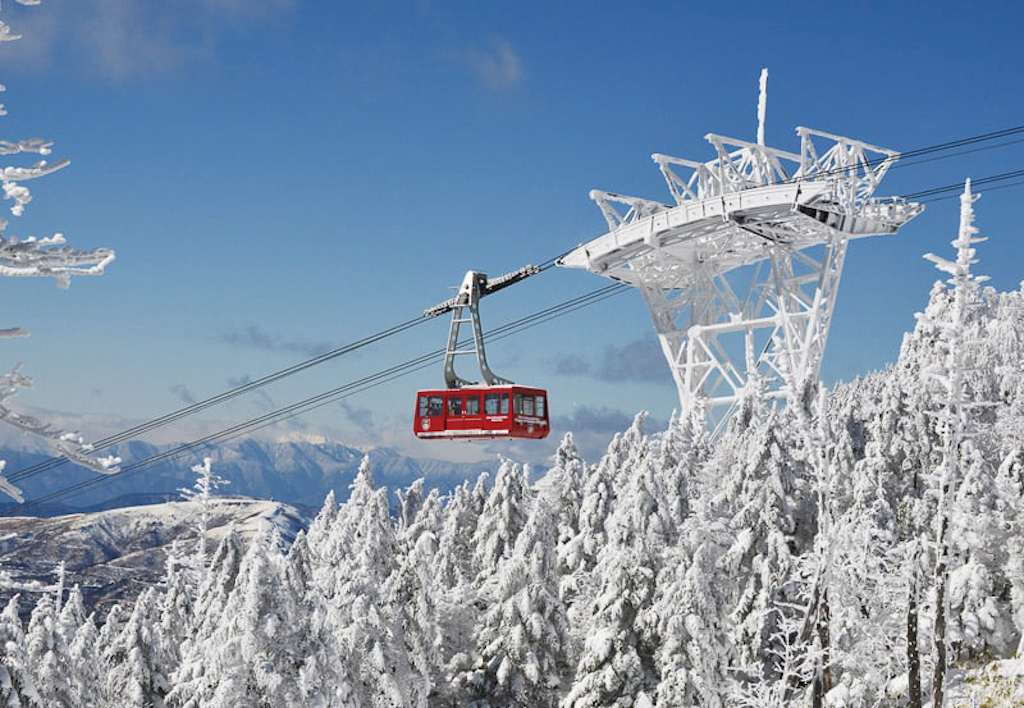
279	178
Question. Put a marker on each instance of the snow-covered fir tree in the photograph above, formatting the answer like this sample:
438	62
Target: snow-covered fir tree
17	680
523	641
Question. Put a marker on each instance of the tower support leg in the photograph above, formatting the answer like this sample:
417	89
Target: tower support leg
761	328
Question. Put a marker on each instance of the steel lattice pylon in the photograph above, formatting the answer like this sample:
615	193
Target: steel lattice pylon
741	272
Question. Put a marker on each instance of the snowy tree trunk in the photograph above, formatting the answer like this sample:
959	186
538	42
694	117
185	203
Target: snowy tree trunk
939	637
822	673
913	656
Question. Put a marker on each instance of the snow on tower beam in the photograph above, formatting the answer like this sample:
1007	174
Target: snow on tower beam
740	274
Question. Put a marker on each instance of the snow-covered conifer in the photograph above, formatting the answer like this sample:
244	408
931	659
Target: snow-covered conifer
87	686
617	666
979	548
356	539
949	372
320	527
17	683
757	504
562	491
353	564
523	643
502	518
137	670
678	455
411	619
454	594
201	494
190	678
319	681
458	527
72	615
578	555
694	655
48	653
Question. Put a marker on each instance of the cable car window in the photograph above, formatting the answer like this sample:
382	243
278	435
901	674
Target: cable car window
540	406
504	404
454	406
517	403
527	405
472	405
491	404
431	405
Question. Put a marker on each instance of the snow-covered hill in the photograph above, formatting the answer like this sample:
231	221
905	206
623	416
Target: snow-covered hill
114	554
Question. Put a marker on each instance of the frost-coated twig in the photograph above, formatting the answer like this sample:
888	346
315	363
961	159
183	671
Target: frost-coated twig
40	257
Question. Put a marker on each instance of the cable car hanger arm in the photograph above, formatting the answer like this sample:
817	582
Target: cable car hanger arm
474	286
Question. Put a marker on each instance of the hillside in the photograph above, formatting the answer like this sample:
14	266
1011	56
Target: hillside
112	555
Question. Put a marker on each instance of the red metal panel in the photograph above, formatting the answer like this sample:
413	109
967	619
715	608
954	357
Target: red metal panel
485	412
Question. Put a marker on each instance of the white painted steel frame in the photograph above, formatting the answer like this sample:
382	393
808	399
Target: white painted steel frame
741	273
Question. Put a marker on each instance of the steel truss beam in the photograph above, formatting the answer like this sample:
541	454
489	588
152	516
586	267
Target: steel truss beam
741	273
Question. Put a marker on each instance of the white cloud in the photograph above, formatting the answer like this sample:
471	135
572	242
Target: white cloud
255	337
639	360
134	39
497	66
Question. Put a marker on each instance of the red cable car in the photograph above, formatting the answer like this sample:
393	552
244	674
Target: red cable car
466	410
484	412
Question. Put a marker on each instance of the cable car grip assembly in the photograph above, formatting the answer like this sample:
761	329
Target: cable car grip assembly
475	285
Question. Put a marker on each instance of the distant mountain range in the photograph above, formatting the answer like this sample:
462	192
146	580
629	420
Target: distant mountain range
296	473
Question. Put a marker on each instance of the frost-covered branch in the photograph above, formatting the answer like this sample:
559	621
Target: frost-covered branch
37	145
70	444
40	257
43	258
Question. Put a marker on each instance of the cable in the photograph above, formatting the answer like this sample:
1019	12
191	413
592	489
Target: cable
322	399
198	406
1019	183
960	185
964	141
221	397
905	159
914	163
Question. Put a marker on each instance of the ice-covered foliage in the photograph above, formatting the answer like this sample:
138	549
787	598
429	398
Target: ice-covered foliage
200	494
523	642
32	256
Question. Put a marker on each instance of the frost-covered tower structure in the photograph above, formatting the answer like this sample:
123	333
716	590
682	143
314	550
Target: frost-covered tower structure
740	270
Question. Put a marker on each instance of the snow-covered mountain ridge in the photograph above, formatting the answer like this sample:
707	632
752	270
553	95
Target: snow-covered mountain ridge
113	554
299	473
